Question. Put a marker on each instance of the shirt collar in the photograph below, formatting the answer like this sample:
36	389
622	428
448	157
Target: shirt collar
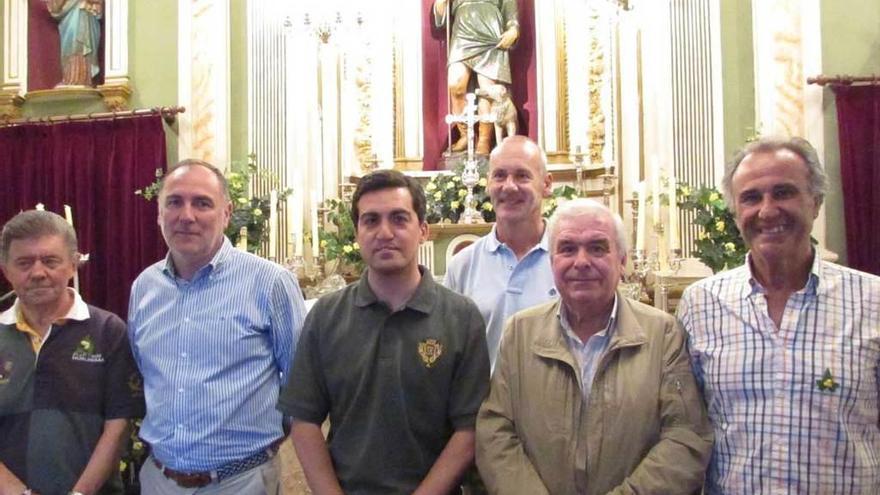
422	299
569	333
492	242
79	311
215	264
813	285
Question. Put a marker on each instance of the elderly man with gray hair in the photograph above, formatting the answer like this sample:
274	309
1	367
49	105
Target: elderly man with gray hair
68	382
786	347
592	393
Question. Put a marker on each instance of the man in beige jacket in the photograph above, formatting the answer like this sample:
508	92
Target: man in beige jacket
593	393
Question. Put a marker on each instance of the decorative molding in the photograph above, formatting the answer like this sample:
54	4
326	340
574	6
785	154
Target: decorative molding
10	105
15	32
596	84
116	43
562	124
116	95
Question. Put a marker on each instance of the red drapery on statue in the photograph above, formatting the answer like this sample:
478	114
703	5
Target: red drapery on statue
95	167
434	89
858	116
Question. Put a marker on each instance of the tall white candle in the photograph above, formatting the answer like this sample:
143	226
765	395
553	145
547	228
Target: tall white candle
295	203
641	231
316	248
68	214
674	240
655	191
273	224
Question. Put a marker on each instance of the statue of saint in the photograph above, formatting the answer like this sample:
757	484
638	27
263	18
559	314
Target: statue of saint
79	27
482	33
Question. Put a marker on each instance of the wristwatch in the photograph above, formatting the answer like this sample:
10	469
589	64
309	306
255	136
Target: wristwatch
73	492
27	491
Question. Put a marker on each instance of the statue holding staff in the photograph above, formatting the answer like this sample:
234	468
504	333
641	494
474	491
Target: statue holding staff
482	32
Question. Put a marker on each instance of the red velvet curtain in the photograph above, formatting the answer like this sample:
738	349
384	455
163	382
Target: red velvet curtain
95	167
435	101
858	116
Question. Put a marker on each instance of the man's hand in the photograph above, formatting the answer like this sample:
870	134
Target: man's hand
508	38
9	483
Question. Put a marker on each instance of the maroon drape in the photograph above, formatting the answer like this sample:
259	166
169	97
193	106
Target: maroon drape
95	167
858	116
435	102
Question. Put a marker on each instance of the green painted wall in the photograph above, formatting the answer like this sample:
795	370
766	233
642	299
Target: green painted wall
850	45
152	58
738	70
238	80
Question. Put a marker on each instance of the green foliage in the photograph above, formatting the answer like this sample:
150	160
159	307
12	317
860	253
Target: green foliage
719	244
339	242
560	193
247	211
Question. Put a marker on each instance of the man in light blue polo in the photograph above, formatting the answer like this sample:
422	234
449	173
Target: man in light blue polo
509	269
213	330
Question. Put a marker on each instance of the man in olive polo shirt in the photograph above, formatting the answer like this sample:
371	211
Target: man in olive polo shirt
68	382
398	362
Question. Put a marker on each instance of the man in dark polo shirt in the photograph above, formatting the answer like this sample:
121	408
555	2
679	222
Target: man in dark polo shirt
398	362
68	383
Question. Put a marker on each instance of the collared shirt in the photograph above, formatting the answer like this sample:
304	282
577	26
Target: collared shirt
779	426
396	384
587	354
55	399
488	272
79	311
214	352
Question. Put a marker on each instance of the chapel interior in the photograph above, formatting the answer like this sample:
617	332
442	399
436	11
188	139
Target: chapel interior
637	103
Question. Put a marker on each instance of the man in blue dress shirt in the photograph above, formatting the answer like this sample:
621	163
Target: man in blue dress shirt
213	330
508	270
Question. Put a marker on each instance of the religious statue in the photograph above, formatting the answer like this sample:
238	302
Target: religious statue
482	33
79	27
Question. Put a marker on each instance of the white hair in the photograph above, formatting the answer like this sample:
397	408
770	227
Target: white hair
583	207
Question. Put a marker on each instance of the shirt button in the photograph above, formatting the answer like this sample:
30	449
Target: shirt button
186	319
180	390
183	355
180	426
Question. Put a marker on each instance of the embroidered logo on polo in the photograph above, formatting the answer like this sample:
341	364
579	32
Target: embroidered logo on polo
86	351
5	370
430	351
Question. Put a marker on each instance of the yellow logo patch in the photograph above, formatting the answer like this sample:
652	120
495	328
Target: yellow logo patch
430	350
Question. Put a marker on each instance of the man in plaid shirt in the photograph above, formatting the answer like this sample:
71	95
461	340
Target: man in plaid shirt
786	347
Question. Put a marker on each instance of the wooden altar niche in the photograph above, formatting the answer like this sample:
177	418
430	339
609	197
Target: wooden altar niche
28	66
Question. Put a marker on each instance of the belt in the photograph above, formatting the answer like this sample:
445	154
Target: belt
200	479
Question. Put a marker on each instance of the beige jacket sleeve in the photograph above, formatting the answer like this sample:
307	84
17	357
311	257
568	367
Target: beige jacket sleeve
677	463
503	464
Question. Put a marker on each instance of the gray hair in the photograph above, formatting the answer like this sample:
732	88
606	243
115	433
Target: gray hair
34	224
195	162
818	181
583	207
524	142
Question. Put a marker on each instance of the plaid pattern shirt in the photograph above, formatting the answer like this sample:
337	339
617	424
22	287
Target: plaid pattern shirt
777	430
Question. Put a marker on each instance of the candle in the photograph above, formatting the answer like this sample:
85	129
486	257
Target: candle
68	214
315	242
242	239
655	191
674	241
296	213
273	224
40	207
640	224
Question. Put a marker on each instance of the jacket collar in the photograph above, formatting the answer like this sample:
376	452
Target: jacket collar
550	341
